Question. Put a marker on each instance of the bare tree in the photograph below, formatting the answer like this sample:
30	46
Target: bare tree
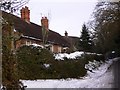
106	25
12	5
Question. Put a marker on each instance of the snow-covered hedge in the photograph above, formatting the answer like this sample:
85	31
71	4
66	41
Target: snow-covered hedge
74	55
36	62
93	65
100	78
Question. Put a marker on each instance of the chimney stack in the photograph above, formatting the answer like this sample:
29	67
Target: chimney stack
45	23
66	34
25	14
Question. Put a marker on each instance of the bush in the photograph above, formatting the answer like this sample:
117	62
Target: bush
31	61
69	69
37	63
92	57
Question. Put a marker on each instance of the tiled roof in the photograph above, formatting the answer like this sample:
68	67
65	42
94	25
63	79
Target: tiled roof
33	30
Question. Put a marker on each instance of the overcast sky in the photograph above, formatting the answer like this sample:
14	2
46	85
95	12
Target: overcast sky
64	15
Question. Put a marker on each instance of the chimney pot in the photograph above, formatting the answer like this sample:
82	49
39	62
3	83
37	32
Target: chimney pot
25	14
66	34
26	7
44	22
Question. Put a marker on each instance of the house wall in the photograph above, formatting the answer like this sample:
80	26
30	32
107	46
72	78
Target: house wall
25	41
56	48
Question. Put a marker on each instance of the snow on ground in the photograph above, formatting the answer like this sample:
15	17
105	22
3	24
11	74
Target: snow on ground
74	55
101	78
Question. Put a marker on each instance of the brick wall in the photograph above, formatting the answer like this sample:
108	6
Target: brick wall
25	41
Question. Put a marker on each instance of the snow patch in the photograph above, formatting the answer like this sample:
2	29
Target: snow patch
74	55
31	37
15	30
61	56
47	65
37	45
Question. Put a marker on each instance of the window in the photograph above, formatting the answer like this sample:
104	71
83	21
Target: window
28	42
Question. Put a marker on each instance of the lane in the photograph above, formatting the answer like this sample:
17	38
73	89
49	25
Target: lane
116	71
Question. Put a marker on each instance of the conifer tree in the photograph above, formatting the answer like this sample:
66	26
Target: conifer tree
85	43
